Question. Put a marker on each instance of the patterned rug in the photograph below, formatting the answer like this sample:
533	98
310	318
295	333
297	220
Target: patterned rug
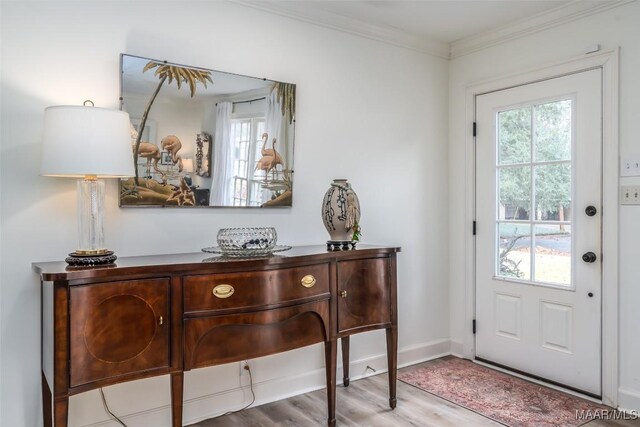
503	398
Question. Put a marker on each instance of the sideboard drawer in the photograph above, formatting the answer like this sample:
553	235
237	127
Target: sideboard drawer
214	340
244	290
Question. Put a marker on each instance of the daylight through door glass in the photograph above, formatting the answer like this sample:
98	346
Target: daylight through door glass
533	212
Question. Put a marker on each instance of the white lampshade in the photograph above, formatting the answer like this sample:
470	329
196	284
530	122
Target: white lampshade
80	141
187	165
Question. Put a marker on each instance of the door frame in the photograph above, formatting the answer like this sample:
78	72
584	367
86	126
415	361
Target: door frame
608	62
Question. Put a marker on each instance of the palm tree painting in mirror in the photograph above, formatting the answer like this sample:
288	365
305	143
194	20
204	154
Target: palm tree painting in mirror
286	94
180	75
238	132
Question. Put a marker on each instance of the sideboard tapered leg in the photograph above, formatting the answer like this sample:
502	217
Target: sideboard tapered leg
345	360
177	386
61	411
392	361
330	356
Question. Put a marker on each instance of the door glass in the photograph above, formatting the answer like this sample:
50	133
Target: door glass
553	131
514	133
514	255
534	193
553	254
514	185
553	191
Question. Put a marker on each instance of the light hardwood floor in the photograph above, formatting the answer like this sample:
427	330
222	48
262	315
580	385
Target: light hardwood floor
365	403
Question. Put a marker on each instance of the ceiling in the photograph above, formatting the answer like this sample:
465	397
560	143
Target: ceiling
434	26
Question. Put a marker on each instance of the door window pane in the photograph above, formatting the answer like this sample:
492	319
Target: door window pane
514	250
514	187
514	136
553	254
553	191
553	131
534	193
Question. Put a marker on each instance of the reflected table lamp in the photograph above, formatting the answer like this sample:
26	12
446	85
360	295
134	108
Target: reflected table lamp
187	168
88	143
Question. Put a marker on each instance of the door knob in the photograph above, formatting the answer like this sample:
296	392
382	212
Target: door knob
591	210
589	257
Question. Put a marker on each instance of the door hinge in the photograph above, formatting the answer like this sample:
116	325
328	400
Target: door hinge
473	326
475	129
474	228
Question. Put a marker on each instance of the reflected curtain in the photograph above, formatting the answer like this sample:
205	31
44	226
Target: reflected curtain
221	184
276	127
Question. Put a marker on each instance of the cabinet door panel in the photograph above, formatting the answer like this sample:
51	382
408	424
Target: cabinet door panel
118	328
363	294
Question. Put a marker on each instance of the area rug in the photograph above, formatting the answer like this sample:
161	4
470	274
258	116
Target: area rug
503	398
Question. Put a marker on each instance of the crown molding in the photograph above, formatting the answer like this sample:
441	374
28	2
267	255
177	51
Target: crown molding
572	11
353	26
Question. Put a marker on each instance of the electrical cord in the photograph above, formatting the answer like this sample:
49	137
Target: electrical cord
253	394
108	411
253	399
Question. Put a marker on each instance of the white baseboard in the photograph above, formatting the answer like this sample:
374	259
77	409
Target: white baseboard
457	349
628	400
212	405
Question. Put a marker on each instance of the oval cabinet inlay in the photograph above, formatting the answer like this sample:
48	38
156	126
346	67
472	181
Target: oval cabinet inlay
117	328
120	328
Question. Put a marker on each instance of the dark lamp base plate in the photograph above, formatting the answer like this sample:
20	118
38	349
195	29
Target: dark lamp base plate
80	260
340	245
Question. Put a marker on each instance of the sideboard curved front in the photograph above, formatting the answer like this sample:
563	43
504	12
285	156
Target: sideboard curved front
149	316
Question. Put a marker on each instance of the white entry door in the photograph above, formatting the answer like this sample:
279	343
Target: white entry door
538	234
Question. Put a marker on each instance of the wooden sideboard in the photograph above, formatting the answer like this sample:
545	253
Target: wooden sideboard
158	315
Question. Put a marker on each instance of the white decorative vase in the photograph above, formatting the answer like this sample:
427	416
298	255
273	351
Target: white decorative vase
340	213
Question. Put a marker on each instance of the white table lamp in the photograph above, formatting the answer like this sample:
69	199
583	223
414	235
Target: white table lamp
89	143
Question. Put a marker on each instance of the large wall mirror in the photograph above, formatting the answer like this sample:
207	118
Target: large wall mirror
201	137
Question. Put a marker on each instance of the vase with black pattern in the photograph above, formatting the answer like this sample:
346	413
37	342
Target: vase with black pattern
340	213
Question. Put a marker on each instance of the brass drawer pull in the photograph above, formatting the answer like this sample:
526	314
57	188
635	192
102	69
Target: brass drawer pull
160	321
223	291
308	281
343	294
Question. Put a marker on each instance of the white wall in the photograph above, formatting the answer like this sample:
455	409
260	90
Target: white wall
370	112
617	27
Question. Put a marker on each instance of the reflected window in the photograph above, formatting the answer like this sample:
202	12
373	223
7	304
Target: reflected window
246	135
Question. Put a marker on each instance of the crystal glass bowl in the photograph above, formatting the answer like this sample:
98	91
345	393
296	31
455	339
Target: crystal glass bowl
247	239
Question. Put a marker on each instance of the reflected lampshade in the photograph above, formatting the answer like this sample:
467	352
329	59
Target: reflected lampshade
83	140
